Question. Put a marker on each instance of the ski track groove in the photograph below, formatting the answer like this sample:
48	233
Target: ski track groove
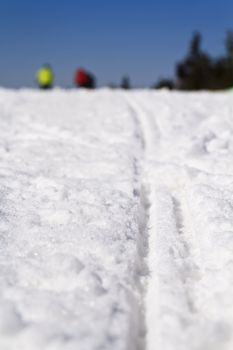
141	268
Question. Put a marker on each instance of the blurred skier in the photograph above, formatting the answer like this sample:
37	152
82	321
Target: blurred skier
45	77
84	79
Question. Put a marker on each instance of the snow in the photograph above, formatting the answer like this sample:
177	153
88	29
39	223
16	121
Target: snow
188	174
116	220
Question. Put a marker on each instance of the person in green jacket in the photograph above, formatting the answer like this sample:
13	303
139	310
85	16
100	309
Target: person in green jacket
45	77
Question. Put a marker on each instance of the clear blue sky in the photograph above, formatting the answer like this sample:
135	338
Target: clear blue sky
141	38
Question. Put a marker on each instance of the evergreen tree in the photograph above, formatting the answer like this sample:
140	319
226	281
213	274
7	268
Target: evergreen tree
229	45
164	83
223	66
195	46
194	72
229	58
125	83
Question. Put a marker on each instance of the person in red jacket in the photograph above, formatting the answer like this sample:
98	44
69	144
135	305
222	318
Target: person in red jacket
84	79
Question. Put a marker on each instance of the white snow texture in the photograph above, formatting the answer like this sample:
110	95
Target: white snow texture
116	220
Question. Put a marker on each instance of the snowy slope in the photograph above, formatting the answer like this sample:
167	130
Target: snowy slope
116	220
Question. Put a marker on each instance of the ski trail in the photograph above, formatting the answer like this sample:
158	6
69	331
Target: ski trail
168	297
143	135
138	319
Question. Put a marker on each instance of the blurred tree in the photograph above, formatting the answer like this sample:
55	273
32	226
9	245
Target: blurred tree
112	86
223	66
164	83
199	71
195	46
229	58
194	72
229	45
125	83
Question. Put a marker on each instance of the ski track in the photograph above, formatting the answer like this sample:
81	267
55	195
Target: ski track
180	283
168	251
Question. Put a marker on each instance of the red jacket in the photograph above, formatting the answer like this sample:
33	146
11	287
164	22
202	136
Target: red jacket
81	77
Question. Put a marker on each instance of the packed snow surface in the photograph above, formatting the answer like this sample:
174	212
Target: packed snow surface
116	220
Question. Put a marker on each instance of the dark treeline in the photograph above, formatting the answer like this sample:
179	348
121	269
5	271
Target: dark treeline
200	71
